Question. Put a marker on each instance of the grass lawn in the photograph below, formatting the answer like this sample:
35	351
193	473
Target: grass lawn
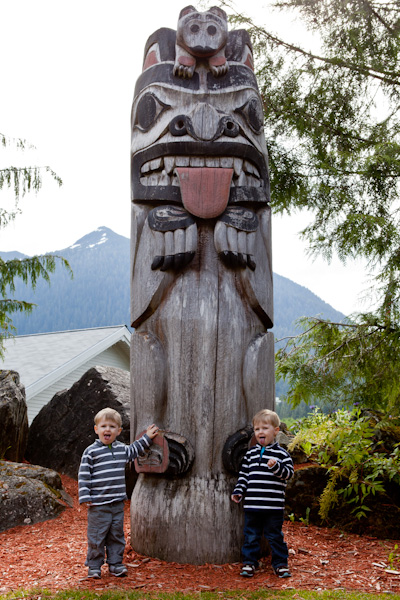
289	594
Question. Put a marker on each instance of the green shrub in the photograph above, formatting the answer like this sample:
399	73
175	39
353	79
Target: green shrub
348	445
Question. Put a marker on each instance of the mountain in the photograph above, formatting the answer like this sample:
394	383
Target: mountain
98	294
293	301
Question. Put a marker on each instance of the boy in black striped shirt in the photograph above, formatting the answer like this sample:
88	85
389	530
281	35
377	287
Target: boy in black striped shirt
265	470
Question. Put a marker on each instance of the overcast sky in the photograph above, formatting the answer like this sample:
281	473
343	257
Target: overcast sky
68	73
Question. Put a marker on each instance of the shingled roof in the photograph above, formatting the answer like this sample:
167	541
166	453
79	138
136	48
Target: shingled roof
49	362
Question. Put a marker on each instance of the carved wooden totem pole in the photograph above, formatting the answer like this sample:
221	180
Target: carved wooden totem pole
202	360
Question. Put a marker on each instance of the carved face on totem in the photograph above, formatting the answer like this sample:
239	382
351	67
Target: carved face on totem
197	119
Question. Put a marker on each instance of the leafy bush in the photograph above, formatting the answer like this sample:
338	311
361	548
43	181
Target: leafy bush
349	444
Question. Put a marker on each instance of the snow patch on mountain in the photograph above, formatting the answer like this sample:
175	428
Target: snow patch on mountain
95	238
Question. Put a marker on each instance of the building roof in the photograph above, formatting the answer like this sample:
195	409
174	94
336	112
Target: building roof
43	358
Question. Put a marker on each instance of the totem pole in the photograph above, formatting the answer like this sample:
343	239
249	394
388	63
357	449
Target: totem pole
202	360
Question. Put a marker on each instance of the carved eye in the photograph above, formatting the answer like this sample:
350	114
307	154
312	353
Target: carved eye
148	110
253	113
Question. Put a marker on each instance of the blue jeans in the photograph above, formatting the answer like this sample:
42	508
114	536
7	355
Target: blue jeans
269	522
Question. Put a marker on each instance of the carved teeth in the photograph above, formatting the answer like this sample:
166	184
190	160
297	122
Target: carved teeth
253	181
152	180
227	162
197	161
242	180
182	161
155	164
238	166
164	179
169	163
250	168
161	171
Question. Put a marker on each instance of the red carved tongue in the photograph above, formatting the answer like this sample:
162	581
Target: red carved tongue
205	190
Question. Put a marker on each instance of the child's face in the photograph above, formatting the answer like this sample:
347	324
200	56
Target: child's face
107	430
265	432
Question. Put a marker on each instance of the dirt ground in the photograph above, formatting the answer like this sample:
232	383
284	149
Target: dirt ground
52	554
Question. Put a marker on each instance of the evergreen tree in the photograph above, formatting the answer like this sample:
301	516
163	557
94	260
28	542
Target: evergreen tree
332	121
29	270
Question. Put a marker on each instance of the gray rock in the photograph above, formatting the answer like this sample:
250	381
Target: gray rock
29	494
64	427
13	417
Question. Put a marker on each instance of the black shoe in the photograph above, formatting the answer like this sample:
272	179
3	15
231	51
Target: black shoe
118	570
282	571
248	571
94	573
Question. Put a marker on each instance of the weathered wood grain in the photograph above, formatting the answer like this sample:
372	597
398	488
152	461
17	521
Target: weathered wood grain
202	358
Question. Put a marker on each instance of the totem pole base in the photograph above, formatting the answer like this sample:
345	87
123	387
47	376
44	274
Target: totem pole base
189	520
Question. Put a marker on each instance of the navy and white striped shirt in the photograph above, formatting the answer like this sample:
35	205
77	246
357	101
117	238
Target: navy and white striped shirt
263	487
101	477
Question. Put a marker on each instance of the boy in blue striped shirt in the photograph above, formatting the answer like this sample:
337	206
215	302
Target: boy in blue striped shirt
102	488
265	470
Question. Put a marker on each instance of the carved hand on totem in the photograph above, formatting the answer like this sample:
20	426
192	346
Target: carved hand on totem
235	236
175	235
235	248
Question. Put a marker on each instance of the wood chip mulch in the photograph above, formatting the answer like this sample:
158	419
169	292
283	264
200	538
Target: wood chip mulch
51	555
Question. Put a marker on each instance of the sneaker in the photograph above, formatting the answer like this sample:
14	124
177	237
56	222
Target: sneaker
282	571
94	573
118	570
247	571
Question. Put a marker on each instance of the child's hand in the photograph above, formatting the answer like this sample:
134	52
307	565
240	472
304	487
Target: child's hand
152	431
271	462
236	498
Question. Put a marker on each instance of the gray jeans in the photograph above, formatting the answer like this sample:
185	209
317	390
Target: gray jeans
105	534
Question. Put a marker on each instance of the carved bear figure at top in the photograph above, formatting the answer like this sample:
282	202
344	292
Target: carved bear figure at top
201	36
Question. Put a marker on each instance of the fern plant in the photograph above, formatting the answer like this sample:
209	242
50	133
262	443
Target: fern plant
345	444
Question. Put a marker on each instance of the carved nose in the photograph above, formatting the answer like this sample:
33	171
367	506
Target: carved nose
205	121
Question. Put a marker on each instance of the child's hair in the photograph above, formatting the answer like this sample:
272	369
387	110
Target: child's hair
267	416
110	415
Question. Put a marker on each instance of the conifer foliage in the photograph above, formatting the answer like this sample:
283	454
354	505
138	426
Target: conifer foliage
332	122
20	180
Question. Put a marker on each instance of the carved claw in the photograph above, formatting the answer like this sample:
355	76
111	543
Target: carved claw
184	71
174	262
235	448
237	260
170	454
219	71
181	454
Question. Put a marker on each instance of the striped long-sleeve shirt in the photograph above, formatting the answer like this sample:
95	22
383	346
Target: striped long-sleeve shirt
263	487
101	477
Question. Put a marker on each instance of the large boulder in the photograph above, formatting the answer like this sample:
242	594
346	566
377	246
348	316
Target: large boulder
13	417
29	494
64	427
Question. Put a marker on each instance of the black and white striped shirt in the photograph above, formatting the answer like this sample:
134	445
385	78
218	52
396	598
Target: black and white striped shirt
101	477
263	487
